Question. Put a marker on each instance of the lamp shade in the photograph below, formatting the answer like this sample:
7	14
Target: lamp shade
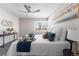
73	35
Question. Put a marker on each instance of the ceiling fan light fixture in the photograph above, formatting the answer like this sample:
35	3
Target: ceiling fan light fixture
30	13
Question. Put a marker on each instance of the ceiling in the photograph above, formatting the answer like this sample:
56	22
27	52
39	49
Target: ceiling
46	9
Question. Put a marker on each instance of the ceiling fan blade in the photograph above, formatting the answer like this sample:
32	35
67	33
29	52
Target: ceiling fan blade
36	11
23	11
27	7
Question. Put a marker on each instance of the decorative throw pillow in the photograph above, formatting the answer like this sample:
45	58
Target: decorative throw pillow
45	35
51	36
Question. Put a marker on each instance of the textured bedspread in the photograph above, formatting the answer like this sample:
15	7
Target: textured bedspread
41	47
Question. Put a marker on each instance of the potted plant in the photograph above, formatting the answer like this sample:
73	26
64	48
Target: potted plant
11	29
31	35
8	29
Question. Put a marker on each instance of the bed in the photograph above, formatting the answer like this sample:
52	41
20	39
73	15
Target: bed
41	47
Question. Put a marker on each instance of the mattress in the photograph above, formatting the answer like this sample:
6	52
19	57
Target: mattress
41	47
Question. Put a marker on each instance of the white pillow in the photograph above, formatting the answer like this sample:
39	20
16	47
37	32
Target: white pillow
57	32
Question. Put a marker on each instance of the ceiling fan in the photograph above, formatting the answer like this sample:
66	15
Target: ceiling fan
28	8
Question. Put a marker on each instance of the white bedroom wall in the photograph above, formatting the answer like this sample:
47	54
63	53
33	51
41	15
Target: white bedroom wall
26	25
10	17
67	21
69	24
50	24
72	24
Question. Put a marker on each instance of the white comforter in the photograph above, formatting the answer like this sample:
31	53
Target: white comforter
41	47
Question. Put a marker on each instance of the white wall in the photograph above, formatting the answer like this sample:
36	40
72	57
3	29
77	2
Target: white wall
72	24
50	24
69	24
8	16
27	25
67	21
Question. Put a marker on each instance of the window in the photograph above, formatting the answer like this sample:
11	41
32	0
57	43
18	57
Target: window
40	25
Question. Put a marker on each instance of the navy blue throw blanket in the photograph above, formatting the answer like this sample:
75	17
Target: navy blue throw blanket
23	46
